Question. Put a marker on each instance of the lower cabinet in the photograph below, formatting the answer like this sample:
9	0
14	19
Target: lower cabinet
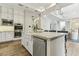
9	36
28	43
6	36
3	37
0	36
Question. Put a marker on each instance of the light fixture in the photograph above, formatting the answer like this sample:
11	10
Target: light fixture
41	9
53	4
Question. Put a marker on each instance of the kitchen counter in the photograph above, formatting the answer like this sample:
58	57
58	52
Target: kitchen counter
6	28
46	35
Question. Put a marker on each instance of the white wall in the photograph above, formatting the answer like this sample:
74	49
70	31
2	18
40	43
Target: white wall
48	21
45	23
28	21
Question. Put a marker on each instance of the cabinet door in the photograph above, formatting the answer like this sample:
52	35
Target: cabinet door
3	36
18	16
30	46
24	41
4	12
10	14
21	19
28	43
9	36
0	37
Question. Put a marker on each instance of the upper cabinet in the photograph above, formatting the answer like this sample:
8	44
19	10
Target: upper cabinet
18	16
7	13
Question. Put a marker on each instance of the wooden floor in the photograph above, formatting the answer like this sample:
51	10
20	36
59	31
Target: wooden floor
13	48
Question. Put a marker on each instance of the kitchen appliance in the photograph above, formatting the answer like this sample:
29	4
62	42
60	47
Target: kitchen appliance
7	22
17	34
18	30
18	26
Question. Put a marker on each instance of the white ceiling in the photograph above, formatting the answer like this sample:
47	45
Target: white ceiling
69	12
38	6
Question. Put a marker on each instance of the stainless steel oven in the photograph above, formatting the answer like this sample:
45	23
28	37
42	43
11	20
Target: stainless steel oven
17	34
18	30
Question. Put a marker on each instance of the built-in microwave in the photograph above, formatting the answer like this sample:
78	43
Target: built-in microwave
7	22
18	26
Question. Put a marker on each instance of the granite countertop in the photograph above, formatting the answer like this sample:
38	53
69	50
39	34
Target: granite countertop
46	35
6	28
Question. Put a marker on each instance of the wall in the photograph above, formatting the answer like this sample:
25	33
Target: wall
45	23
28	21
74	24
49	22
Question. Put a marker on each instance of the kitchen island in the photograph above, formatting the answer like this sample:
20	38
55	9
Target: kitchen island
47	44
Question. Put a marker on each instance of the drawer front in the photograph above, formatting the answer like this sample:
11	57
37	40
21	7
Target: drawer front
3	37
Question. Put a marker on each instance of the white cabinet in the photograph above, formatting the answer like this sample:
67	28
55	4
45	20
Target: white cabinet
30	46
3	36
0	36
18	16
7	13
57	46
4	12
10	14
28	43
9	36
6	36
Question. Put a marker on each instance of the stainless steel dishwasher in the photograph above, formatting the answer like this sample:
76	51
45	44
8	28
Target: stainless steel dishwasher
39	47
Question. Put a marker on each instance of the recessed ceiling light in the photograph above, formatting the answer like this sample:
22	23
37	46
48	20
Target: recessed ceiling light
20	4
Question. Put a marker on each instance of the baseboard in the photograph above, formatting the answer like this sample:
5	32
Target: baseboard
10	41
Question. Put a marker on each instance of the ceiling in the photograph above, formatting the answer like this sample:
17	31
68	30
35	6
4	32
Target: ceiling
39	6
69	12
